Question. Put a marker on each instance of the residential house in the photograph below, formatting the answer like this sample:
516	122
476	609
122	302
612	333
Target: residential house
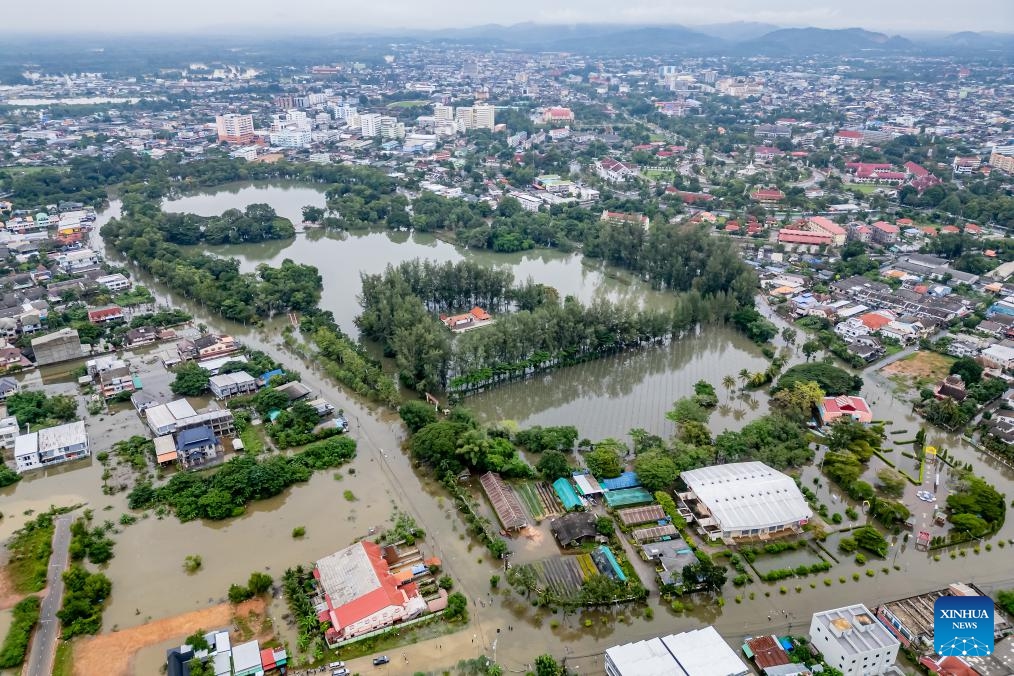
209	346
143	335
116	380
50	446
12	359
620	218
227	385
115	282
573	528
472	319
9	431
197	447
902	332
833	408
8	386
111	313
767	195
952	387
868	348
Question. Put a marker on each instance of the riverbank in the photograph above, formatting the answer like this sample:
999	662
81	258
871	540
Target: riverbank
113	654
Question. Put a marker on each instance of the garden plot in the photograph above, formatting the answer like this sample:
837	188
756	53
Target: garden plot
539	499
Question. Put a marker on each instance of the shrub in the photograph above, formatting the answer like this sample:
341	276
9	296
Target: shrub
494	581
855	577
298	531
783	590
192	563
870	572
15	645
860	559
836	518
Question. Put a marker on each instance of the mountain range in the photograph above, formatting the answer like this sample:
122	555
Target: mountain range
733	39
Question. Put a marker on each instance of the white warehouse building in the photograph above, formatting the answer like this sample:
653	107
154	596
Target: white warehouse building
700	652
854	641
744	500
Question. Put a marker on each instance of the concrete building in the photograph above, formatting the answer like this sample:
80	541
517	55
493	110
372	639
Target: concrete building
369	125
180	415
361	593
117	282
56	347
228	385
9	431
234	128
744	500
911	619
51	446
853	641
700	652
833	408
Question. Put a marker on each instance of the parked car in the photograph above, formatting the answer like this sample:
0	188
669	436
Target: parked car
383	659
336	665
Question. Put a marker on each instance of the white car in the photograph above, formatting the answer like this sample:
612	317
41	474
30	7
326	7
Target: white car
925	496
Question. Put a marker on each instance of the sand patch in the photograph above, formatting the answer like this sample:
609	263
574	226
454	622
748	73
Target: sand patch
112	654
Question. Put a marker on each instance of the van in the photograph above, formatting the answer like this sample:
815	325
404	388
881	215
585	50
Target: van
336	665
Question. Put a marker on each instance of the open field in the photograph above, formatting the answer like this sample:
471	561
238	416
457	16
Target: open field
112	654
921	368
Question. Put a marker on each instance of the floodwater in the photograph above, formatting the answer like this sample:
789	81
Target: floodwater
604	398
341	257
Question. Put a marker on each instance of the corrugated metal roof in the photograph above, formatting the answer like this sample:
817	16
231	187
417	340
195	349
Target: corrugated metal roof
748	495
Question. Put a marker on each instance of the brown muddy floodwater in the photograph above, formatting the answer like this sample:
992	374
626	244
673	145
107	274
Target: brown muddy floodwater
604	398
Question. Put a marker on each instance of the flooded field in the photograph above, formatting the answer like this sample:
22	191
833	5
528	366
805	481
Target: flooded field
604	398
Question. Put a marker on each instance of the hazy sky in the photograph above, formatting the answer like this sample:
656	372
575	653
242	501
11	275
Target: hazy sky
344	15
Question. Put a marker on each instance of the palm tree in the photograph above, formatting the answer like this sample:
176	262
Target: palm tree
729	382
744	375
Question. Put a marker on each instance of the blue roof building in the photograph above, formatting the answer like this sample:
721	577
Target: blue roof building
196	446
568	496
625	480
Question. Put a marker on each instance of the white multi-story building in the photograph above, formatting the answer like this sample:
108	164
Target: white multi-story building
51	446
115	282
854	641
484	116
442	112
9	431
700	652
369	124
290	138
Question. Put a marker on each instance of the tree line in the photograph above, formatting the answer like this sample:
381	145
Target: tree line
143	236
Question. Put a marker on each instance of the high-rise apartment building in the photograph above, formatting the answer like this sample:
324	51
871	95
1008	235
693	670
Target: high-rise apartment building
234	128
369	123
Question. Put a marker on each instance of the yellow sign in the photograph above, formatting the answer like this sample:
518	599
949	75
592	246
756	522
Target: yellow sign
931	450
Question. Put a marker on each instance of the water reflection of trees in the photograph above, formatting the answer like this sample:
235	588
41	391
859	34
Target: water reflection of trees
613	377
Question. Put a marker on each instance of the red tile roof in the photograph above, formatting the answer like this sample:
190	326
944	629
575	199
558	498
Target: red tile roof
767	652
874	321
384	595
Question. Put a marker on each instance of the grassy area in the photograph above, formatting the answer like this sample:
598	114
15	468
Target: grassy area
253	441
20	171
864	188
63	664
892	348
413	103
136	296
656	174
30	549
920	368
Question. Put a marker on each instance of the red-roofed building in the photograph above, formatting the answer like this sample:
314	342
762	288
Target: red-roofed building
821	224
472	319
973	229
767	652
847	138
916	170
950	230
948	666
876	320
791	236
885	233
105	314
929	230
558	115
767	195
361	593
904	222
619	217
833	408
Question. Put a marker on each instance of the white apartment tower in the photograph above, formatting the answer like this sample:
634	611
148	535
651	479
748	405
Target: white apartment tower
369	123
484	116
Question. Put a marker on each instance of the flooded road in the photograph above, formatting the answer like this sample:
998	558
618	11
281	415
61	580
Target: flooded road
604	398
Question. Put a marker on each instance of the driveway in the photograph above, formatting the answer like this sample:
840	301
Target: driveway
40	659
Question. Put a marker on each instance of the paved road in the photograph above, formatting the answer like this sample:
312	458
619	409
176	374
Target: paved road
40	659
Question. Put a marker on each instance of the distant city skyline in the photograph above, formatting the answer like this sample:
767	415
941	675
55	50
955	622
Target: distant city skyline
327	16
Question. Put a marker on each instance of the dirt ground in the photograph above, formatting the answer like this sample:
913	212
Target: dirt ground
921	366
112	654
9	597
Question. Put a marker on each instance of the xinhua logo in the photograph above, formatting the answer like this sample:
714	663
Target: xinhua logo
963	626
